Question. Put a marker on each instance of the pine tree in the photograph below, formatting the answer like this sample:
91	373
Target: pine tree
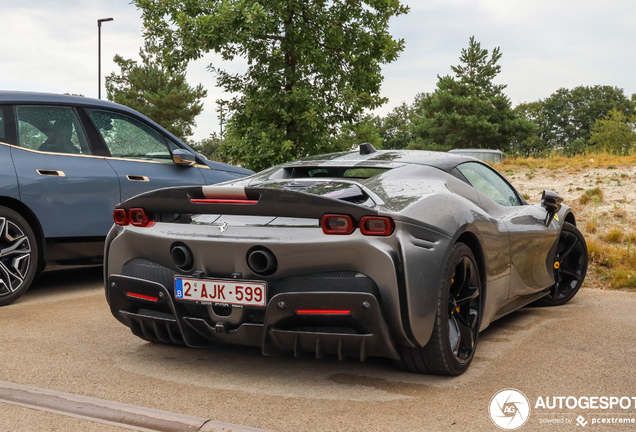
156	91
468	110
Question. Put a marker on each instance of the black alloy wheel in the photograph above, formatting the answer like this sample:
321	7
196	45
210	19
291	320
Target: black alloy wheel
570	267
18	256
463	309
452	345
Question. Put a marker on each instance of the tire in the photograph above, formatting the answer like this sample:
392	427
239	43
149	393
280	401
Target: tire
18	256
452	345
570	267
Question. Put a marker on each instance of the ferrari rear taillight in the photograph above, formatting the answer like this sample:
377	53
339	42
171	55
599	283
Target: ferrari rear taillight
137	217
376	226
121	217
337	224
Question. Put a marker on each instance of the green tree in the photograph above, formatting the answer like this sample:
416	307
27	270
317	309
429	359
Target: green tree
569	115
364	130
395	128
614	133
534	142
211	148
158	92
468	109
312	66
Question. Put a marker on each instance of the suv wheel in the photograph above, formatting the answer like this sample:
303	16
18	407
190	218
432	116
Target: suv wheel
18	256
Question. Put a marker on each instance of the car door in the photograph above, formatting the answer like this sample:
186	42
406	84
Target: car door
8	178
140	154
530	239
71	190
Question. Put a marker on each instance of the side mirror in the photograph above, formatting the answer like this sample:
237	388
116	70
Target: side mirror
551	202
183	158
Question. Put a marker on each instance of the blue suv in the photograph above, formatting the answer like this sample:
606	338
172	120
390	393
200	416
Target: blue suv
65	162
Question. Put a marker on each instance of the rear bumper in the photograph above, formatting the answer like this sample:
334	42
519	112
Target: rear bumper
142	297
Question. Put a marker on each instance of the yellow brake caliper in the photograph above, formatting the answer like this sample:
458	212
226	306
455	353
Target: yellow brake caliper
457	308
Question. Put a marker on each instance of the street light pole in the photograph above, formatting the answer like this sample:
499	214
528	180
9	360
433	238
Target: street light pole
99	55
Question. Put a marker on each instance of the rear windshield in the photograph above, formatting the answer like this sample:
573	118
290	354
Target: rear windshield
334	172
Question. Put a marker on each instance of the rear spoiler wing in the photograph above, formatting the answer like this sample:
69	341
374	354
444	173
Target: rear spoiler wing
239	200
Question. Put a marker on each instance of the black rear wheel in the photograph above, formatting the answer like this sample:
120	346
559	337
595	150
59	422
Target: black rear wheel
570	267
452	345
18	256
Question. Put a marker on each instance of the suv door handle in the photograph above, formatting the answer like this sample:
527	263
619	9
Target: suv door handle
52	173
137	178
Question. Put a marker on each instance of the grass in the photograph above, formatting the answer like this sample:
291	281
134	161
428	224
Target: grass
555	160
615	235
623	278
590	194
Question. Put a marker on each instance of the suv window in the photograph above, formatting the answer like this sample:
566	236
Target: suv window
488	182
51	129
129	138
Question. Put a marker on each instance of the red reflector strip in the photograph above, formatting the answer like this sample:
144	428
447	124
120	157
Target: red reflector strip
323	312
141	296
222	201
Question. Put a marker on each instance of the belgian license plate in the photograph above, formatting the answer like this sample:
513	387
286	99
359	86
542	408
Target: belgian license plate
221	291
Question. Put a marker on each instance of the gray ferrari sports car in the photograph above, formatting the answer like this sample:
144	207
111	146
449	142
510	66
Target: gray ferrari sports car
400	254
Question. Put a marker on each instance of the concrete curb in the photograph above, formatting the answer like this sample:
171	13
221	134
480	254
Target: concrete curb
109	412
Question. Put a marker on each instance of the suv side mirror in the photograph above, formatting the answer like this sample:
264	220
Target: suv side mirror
183	158
551	202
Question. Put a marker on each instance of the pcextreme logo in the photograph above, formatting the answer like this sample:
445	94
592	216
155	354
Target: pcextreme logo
509	409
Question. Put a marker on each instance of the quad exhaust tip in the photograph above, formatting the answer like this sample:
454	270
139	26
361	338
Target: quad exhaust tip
182	256
262	261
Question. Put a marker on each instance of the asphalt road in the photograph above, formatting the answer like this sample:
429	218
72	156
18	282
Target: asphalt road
61	336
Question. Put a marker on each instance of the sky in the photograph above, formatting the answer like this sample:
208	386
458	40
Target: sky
51	46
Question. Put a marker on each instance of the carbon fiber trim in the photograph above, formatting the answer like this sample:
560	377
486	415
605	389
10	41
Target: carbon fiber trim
156	314
143	269
343	281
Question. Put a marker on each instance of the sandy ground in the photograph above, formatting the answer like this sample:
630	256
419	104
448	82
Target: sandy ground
617	210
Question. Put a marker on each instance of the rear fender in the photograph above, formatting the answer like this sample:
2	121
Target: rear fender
424	254
425	249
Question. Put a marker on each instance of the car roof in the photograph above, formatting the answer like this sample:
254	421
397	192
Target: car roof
22	97
444	161
11	96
